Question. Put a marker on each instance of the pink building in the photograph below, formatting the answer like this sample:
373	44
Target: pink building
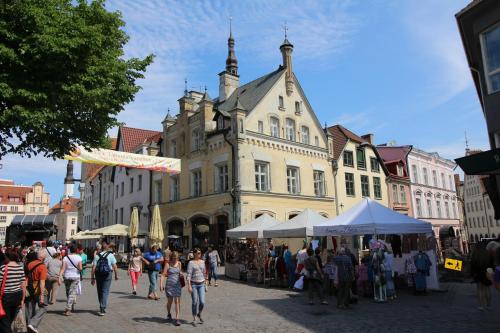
398	181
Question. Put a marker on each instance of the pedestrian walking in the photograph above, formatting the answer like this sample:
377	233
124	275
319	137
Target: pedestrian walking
135	269
53	281
480	262
70	273
83	255
290	266
314	276
12	289
345	276
172	272
196	285
153	260
213	259
36	273
103	266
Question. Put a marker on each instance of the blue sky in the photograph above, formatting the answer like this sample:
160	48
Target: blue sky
389	67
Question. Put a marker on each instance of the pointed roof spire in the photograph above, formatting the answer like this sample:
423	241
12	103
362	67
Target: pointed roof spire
185	87
206	97
231	61
286	42
237	104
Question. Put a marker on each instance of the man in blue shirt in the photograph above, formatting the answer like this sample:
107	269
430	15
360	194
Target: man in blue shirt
153	260
103	266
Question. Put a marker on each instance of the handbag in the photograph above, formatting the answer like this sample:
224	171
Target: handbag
19	324
2	290
182	280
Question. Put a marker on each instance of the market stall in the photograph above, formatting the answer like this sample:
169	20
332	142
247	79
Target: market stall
370	220
245	255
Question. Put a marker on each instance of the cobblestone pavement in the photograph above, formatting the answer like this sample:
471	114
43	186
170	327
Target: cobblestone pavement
238	307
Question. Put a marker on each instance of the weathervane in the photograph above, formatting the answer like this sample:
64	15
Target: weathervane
285	28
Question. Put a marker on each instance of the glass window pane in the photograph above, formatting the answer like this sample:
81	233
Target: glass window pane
492	41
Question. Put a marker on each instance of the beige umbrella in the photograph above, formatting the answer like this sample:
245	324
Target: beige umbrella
156	232
133	230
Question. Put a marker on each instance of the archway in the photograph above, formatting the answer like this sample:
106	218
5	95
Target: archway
200	232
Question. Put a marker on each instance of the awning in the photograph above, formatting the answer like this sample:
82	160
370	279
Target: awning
484	163
34	220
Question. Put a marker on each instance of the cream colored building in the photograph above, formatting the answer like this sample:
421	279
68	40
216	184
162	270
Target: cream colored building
359	172
257	148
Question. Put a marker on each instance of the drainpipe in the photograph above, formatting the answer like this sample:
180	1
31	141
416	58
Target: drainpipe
234	188
486	215
335	170
100	201
150	201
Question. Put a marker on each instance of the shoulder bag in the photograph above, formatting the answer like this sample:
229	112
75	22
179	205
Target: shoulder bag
182	279
2	310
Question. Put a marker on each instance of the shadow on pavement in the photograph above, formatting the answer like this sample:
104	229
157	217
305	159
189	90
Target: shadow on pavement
158	320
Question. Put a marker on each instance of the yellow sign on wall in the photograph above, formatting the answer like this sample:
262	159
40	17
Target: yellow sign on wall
453	264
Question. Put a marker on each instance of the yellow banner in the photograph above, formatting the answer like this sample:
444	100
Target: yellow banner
453	264
128	160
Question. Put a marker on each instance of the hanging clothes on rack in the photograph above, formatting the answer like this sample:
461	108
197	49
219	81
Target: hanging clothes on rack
423	265
410	271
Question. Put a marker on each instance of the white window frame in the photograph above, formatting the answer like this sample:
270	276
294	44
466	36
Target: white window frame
260	126
290	129
293	180
174	188
418	203
402	194
222	178
262	176
319	183
429	208
274	126
304	134
196	183
414	170
196	139
281	102
395	195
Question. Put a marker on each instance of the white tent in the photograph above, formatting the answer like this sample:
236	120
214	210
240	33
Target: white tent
371	218
253	229
298	227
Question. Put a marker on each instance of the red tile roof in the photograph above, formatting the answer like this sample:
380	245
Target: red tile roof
68	204
133	137
6	182
393	155
20	192
340	136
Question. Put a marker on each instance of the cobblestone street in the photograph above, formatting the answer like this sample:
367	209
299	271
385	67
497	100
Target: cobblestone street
237	307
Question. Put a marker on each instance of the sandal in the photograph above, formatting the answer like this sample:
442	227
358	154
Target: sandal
177	323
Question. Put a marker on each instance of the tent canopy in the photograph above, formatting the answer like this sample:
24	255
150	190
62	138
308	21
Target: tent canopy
112	230
299	227
253	229
85	235
371	218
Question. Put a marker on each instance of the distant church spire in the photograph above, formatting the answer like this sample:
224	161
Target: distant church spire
231	61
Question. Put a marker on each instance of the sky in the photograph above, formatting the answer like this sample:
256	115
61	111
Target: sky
393	68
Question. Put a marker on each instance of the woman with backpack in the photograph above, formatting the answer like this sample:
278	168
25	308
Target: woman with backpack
12	289
70	271
175	281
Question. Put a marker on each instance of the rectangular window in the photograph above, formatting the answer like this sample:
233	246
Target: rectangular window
121	215
395	195
220	123
419	207
319	183
131	184
38	200
453	210
116	216
3	219
481	205
360	158
305	135
429	208
262	176
158	196
281	102
40	209
122	188
365	186
426	177
491	220
117	190
260	126
173	148
297	108
73	221
196	183
349	184
438	209
139	183
222	178
490	47
290	129
402	194
443	181
434	178
375	166
447	209
415	173
377	188
348	158
400	170
450	183
196	140
292	180
316	141
275	127
174	188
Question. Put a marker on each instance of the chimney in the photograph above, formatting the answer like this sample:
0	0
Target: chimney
286	50
368	137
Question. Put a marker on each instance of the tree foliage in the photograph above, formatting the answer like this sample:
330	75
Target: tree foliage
63	76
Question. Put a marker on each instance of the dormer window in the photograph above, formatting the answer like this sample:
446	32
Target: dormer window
220	123
281	103
400	170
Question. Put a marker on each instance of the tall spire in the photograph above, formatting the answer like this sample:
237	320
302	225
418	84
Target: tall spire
231	61
286	50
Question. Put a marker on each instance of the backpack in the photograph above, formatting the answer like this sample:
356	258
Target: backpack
102	266
31	289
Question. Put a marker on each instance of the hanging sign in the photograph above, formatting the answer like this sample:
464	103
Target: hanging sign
453	264
124	159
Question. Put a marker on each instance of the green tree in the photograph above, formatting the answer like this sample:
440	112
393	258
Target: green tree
63	76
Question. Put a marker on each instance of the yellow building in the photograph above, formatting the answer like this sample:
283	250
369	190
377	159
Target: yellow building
359	171
256	148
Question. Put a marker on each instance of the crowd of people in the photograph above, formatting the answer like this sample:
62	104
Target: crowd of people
31	276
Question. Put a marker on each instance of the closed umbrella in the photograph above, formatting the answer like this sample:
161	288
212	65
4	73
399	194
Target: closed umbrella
156	231
133	230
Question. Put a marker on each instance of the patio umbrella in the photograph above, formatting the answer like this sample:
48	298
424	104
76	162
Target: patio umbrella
133	230
156	231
